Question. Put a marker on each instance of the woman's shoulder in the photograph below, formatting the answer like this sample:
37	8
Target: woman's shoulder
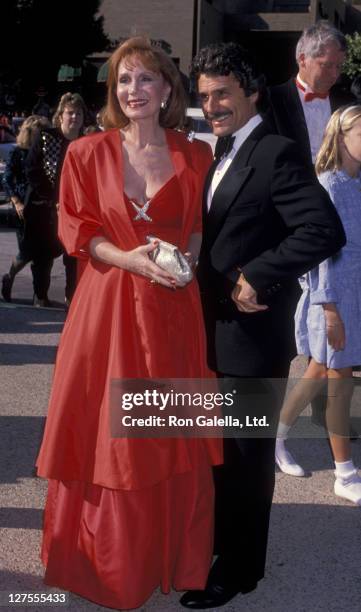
337	185
85	145
188	140
331	179
198	151
15	154
47	138
51	131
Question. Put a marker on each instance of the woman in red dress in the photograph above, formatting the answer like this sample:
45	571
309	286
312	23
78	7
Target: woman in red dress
125	516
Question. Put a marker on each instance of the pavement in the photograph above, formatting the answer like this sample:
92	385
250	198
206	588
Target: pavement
315	538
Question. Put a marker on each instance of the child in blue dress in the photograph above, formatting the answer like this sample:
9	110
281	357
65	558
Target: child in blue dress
328	316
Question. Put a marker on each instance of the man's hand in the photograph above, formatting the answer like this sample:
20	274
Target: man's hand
245	297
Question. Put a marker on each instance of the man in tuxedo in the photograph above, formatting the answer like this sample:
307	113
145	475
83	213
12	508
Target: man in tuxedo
301	107
266	222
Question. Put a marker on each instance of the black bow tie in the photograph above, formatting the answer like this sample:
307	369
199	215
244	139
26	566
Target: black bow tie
224	146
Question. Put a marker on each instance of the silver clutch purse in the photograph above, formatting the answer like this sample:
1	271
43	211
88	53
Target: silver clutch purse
168	257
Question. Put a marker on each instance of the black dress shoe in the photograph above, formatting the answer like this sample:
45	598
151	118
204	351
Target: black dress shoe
213	596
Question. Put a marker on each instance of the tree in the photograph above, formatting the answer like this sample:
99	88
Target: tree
40	35
352	65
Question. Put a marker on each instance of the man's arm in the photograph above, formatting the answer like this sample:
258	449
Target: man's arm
314	228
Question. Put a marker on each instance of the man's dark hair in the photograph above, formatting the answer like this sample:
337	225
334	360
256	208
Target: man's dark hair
222	59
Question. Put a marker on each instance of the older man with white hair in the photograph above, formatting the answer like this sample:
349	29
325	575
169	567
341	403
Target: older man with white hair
302	106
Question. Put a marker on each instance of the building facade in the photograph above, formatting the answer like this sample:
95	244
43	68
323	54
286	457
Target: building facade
269	28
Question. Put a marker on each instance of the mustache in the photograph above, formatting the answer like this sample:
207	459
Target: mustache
211	116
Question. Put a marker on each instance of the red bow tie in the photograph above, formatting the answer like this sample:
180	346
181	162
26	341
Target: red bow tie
311	95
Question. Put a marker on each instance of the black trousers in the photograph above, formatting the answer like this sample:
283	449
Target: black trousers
41	268
70	264
245	483
41	265
41	243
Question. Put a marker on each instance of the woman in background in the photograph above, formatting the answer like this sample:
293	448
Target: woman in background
15	183
328	316
43	170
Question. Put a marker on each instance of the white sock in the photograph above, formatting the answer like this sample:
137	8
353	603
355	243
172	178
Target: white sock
283	429
348	481
344	468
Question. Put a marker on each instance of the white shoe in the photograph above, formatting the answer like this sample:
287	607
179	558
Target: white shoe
285	461
349	487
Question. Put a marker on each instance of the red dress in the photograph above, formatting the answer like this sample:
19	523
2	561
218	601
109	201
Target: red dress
125	516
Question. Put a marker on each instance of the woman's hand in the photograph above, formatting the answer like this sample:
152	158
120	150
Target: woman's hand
139	262
19	208
335	328
336	335
136	261
192	259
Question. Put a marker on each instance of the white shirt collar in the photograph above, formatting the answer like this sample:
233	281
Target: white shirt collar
306	87
242	134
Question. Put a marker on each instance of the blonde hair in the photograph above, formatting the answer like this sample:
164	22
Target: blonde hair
156	60
29	129
342	121
69	99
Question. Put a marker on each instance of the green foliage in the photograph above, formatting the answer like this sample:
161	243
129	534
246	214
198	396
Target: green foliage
352	65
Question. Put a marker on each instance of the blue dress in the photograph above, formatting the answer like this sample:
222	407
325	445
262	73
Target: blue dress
337	279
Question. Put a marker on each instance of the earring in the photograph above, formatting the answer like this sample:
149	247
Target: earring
164	104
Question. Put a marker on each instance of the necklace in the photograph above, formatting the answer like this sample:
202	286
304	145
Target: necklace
141	211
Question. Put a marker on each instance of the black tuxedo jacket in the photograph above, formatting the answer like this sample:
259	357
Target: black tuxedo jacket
271	219
287	118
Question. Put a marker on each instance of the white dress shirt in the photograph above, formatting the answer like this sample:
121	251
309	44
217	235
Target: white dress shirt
240	136
317	113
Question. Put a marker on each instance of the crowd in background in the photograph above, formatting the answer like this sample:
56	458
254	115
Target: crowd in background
283	200
35	152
